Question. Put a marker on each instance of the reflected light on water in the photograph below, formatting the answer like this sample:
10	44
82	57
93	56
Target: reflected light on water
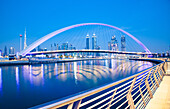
56	70
75	70
0	79
30	73
17	76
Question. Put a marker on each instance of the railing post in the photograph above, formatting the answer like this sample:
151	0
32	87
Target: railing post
129	95
70	106
164	72
77	104
141	90
108	107
152	83
154	75
159	72
147	85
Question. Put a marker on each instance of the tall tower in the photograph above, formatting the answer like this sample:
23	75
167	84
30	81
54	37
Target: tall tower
25	40
11	50
94	42
5	51
116	45
87	42
58	47
113	41
123	43
71	47
20	42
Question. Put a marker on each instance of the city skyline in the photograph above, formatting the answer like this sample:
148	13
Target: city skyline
149	24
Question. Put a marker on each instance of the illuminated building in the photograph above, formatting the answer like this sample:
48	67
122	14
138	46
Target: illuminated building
87	42
123	43
11	51
94	42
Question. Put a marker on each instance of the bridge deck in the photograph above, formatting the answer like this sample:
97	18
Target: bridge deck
161	98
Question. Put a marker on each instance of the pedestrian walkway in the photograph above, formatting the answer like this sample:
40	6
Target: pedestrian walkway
161	98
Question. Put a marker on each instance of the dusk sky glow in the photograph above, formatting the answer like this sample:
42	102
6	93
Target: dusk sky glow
147	20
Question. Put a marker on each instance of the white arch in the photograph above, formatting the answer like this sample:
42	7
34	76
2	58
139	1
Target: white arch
48	36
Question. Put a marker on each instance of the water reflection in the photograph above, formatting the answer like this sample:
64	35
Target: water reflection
53	81
0	80
17	77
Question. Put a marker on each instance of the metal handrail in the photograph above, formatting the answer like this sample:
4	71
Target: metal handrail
77	98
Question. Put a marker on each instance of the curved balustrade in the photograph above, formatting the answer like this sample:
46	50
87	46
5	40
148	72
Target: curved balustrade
132	92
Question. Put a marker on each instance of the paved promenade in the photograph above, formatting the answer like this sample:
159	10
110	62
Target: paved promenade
161	98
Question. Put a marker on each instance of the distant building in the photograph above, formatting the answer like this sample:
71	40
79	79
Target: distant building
55	46
58	47
20	42
5	51
109	46
11	51
114	43
74	48
39	48
87	42
94	42
70	47
123	43
45	49
65	46
51	47
25	40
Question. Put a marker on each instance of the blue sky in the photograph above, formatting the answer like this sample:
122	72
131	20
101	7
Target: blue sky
148	20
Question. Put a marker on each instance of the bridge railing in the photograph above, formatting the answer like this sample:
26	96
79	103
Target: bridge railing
131	92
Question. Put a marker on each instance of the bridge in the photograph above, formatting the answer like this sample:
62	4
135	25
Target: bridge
89	51
55	33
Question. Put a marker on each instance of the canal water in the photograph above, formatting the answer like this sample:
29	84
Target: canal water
25	86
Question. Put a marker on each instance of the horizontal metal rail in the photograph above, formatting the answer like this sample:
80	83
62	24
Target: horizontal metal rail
120	94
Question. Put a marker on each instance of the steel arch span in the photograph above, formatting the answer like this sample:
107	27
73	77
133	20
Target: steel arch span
48	36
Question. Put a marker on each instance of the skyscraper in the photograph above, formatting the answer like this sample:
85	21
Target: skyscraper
123	43
87	42
11	51
94	42
20	42
51	47
58	47
71	47
55	46
65	46
25	40
114	43
39	48
5	51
